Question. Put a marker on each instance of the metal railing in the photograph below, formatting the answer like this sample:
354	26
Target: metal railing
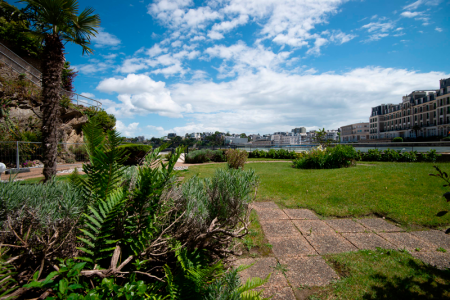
19	154
20	66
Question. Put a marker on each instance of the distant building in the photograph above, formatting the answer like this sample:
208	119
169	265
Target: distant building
195	136
299	130
355	132
286	139
425	112
235	140
171	135
141	139
333	135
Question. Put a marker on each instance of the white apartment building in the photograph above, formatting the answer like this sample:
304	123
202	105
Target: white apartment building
286	139
425	112
235	140
195	135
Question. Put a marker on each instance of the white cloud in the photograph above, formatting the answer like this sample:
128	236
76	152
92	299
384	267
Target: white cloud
155	50
409	14
268	101
105	39
131	65
89	95
128	131
141	95
378	30
379	26
418	3
438	29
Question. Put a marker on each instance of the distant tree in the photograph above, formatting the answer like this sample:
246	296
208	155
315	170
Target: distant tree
416	129
243	135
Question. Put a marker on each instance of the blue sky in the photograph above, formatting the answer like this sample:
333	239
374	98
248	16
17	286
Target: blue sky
259	66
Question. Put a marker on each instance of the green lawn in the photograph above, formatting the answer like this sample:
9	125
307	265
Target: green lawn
403	192
383	274
268	159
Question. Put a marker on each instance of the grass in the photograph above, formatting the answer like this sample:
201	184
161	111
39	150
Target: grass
255	244
403	192
268	159
384	274
58	178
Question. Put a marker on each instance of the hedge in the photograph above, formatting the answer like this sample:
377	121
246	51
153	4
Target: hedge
135	152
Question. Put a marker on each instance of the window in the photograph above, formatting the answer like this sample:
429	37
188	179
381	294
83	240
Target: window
415	110
428	115
440	103
442	111
421	117
448	100
434	114
434	105
427	107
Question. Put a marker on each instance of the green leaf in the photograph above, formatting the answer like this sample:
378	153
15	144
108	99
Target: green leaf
63	285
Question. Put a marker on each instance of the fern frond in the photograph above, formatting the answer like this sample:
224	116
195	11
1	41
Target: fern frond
100	227
253	283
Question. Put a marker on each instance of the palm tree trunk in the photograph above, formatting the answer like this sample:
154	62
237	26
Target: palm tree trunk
52	65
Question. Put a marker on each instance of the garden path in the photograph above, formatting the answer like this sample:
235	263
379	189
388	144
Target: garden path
299	238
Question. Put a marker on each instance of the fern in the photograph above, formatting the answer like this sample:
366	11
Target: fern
7	272
99	230
105	170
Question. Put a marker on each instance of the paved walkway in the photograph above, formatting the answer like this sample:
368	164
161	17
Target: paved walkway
299	239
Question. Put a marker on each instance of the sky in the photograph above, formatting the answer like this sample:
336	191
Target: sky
258	66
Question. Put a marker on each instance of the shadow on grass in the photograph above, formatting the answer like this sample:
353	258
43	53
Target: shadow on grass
434	286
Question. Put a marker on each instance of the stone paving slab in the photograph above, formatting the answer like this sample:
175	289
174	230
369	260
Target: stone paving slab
379	225
279	228
308	270
279	293
367	240
330	243
308	227
261	268
263	205
405	240
436	259
271	215
301	214
291	246
437	237
345	225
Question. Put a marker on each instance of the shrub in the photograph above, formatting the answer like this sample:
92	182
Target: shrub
79	151
430	156
409	156
397	139
140	234
202	156
446	138
276	154
332	157
135	153
236	158
391	155
373	155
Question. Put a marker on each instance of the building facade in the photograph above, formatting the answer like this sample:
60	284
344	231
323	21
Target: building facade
423	113
299	130
355	132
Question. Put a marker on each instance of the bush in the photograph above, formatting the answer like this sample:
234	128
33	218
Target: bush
391	155
202	156
397	140
396	156
330	158
275	154
140	234
135	153
430	156
79	151
446	139
236	158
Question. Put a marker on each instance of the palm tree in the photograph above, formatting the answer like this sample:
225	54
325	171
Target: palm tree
55	22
